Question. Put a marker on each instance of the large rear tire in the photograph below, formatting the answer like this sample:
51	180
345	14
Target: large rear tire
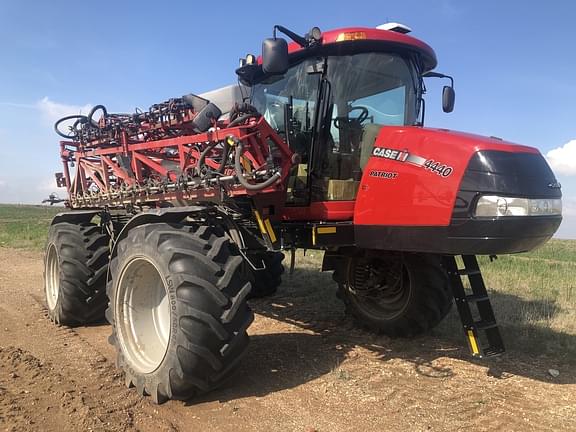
75	265
266	282
178	309
400	295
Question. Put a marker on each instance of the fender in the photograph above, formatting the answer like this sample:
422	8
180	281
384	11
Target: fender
169	214
75	216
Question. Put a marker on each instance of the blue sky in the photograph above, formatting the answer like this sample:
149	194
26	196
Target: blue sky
512	61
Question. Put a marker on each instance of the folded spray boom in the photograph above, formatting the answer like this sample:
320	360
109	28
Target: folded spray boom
182	149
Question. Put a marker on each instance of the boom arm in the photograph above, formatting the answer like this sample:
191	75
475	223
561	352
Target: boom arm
178	150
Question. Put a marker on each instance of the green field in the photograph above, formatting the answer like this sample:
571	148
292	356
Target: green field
25	226
533	294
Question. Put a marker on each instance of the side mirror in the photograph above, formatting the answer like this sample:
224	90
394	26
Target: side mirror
448	98
275	56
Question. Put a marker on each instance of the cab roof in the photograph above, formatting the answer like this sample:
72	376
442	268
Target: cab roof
383	38
350	40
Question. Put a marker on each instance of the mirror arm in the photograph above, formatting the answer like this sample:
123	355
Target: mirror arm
296	38
431	74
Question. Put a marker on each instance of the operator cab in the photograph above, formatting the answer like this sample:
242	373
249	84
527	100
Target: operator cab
331	102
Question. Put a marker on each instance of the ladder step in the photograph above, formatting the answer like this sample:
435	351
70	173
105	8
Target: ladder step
477	297
493	351
485	325
483	335
468	272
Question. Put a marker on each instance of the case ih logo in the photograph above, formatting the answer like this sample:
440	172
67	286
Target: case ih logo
436	167
398	155
387	153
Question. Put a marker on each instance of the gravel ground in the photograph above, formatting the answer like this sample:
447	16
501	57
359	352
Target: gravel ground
307	369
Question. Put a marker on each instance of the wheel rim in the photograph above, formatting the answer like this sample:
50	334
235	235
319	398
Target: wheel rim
142	314
52	278
380	287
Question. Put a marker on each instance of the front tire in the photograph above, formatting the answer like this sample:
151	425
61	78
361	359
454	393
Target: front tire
178	309
400	295
75	265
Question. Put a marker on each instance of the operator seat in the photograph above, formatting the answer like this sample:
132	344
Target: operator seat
369	133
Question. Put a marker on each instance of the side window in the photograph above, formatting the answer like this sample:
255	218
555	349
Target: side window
272	97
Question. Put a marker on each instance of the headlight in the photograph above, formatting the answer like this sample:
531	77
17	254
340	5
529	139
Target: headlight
497	206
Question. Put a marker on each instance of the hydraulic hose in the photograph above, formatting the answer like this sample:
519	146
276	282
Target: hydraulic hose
205	153
242	180
93	111
225	152
79	119
243	108
241	119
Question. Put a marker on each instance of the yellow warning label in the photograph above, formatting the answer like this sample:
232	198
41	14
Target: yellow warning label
473	343
270	230
326	230
260	223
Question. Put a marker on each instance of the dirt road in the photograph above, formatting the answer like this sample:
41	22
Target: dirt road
307	369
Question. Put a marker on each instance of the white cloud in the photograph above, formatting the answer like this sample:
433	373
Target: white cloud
568	206
48	185
52	111
2	183
563	159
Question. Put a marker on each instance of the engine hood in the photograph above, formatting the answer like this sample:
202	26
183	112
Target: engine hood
422	180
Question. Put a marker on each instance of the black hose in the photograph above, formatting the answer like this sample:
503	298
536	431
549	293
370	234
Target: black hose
243	108
243	181
225	152
93	111
79	118
241	119
205	153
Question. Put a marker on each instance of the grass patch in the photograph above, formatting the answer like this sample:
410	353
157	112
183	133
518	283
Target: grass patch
533	295
25	226
554	250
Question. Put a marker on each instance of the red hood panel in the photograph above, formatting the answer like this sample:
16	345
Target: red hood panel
414	174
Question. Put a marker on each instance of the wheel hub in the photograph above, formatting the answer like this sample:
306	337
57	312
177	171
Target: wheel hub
52	278
142	312
380	286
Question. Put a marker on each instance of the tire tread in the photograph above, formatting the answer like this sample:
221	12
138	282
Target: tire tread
82	249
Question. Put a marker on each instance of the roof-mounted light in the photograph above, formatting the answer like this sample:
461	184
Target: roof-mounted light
395	27
250	59
314	35
351	36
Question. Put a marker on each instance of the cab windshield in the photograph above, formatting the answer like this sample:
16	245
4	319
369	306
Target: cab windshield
360	93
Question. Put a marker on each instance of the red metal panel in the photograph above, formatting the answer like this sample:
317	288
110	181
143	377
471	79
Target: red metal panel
414	174
320	211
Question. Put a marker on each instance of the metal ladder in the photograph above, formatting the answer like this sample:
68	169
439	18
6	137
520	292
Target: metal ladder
483	335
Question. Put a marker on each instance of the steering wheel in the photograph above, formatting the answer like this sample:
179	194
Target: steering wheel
346	120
